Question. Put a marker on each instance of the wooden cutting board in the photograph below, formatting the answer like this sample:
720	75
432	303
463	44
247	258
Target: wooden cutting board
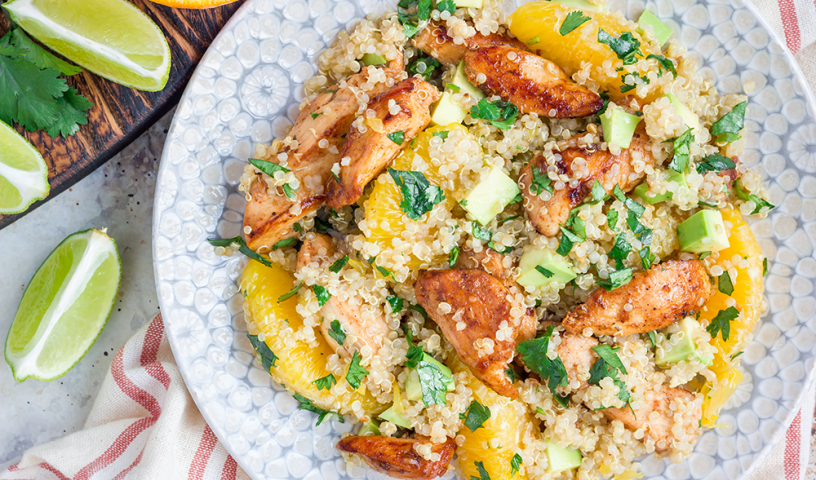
121	114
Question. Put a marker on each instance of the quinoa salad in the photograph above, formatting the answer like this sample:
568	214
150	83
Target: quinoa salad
509	244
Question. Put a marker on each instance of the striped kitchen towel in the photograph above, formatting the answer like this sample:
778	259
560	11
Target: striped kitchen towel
795	23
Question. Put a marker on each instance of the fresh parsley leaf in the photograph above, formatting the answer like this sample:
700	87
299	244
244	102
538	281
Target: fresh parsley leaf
418	195
453	256
325	383
481	233
268	357
646	257
544	271
630	203
612	219
540	182
727	128
664	64
339	264
476	415
242	248
724	283
499	113
321	293
758	201
336	332
715	163
306	404
534	355
617	278
652	338
682	150
722	323
598	192
286	242
291	293
574	20
433	383
423	65
443	134
620	250
515	465
397	137
626	47
356	373
28	94
37	55
446	6
395	302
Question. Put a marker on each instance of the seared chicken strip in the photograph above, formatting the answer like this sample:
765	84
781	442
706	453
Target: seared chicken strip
609	170
533	84
397	458
492	262
435	41
477	310
654	299
270	216
368	153
659	426
367	328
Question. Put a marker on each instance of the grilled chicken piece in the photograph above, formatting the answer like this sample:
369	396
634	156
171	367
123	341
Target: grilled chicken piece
372	151
658	427
658	297
397	458
482	303
609	170
270	217
492	262
435	41
533	84
368	328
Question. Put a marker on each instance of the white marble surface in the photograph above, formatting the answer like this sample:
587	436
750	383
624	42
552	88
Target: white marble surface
118	196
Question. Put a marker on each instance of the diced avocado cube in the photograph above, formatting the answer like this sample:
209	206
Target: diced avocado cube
661	31
374	59
372	426
689	118
413	389
447	111
702	232
396	418
686	347
560	459
618	126
460	79
642	190
489	197
584	5
558	266
468	3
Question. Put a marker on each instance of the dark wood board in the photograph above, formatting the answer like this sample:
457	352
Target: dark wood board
121	114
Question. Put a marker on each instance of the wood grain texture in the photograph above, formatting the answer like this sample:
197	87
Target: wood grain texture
121	114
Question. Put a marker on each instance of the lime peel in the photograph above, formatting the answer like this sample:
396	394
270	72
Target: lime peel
76	286
22	166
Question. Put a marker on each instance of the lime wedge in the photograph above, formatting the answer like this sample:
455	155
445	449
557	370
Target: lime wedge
111	38
64	307
23	173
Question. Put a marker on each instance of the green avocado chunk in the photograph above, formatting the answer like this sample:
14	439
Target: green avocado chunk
372	426
702	232
662	32
460	79
468	3
559	267
396	418
619	126
413	389
560	459
488	198
685	348
446	111
374	59
642	190
689	118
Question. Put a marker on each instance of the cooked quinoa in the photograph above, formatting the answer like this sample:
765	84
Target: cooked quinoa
385	253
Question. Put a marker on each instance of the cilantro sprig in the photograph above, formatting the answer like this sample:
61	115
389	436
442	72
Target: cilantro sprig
682	151
609	365
418	195
626	47
498	113
534	355
715	163
727	128
721	324
356	373
476	415
574	20
540	182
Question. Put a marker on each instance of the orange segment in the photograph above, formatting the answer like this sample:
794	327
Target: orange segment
192	3
748	290
299	364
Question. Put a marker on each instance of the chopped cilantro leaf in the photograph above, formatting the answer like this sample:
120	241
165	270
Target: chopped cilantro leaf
620	250
612	219
703	255
297	227
286	242
646	257
682	147
540	182
746	197
608	365
715	163
574	20
617	278
424	9
339	264
322	226
664	64
515	465
626	47
534	355
396	303
610	356
453	256
418	195
268	357
321	293
598	192
652	338
454	88
764	267
722	323
337	333
511	374
727	128
534	40
630	203
736	355
397	137
483	475
566	244
481	233
356	373
423	65
724	283
446	6
443	134
315	115
544	271
433	383
268	167
289	191
306	404
242	248
476	415
499	113
325	383
291	293
418	308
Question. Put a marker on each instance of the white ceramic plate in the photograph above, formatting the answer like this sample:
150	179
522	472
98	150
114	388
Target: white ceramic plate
247	90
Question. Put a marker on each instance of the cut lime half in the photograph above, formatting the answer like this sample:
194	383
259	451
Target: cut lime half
23	173
111	38
64	307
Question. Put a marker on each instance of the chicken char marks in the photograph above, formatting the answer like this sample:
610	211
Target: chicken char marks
435	41
397	458
658	297
482	303
532	83
369	152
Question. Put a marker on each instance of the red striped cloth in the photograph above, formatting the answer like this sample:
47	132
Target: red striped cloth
795	23
143	425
